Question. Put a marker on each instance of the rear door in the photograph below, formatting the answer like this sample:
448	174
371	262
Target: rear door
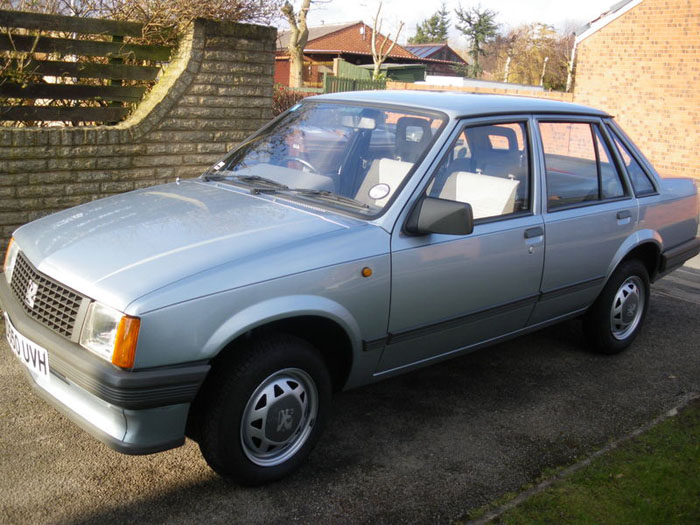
589	211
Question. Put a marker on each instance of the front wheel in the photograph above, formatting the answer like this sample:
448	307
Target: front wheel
614	320
265	407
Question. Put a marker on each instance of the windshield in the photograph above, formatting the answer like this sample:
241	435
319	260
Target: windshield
338	155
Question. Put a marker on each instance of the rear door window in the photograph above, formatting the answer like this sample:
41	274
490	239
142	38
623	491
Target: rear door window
579	166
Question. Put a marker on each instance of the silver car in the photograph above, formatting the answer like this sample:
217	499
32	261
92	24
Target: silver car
355	237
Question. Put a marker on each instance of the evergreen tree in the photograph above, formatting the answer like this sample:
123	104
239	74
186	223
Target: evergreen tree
433	29
479	26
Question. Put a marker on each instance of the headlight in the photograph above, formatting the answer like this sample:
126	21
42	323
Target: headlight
110	334
10	260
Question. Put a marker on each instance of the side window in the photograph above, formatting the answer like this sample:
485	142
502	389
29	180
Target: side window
488	167
579	167
640	180
610	184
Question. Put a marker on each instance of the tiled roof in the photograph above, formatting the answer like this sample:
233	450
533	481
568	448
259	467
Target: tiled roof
617	10
314	33
355	38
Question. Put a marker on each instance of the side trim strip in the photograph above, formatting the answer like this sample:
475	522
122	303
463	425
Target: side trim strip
411	333
374	344
477	346
572	288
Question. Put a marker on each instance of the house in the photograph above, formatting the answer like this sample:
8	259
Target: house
640	61
352	42
443	58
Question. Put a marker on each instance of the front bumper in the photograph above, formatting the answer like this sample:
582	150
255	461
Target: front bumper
133	412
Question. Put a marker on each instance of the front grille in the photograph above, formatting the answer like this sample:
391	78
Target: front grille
55	306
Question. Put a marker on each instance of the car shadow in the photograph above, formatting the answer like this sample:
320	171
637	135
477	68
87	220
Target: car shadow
386	433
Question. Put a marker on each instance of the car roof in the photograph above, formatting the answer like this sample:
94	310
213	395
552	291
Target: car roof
458	104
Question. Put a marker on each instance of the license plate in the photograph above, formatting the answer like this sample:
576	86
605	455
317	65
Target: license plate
29	353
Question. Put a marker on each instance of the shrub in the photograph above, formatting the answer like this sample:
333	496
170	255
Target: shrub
284	98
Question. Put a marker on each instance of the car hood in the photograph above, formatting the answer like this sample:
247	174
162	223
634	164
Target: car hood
117	249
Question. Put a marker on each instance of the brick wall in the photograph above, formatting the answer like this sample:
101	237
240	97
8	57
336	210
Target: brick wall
644	68
549	95
215	92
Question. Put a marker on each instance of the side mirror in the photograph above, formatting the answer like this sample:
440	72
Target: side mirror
433	215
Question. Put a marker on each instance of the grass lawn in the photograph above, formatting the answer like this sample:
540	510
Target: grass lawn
652	479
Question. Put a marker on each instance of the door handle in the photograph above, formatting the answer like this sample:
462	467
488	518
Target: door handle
534	232
626	214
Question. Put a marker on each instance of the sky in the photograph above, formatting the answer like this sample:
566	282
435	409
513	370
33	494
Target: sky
510	13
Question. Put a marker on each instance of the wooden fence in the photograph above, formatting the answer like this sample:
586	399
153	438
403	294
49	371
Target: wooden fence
333	84
48	73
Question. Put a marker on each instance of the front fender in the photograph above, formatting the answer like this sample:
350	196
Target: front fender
279	308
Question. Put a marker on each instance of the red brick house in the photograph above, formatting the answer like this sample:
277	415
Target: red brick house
351	42
640	61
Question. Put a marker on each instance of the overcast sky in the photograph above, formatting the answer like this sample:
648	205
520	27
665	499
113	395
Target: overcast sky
510	13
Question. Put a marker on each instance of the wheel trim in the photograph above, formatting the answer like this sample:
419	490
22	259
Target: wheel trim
627	308
271	430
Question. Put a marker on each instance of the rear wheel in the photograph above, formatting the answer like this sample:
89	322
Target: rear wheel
265	407
614	320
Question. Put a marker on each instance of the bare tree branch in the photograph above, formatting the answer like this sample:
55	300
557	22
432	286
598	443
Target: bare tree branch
380	56
299	35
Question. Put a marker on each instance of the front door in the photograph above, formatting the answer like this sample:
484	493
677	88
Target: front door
448	292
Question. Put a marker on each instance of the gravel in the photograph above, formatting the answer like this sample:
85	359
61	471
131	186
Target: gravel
423	447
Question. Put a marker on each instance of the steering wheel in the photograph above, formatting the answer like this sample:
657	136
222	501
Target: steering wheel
301	161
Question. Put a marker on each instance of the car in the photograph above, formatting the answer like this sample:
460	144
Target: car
355	237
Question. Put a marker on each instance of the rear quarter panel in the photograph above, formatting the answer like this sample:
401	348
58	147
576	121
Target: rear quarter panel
673	213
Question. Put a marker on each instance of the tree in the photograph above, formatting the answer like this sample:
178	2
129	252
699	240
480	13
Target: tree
534	54
479	26
299	35
378	53
433	29
163	20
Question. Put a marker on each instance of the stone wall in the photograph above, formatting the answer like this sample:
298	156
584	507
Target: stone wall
215	92
644	68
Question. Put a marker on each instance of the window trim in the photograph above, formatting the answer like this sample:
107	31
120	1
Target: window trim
591	121
598	169
613	132
619	166
528	143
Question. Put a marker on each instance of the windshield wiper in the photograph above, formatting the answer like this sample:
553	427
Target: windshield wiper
272	186
249	180
322	194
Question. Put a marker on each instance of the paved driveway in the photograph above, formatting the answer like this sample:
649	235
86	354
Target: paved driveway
427	446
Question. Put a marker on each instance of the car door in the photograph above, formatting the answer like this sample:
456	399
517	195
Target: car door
588	212
452	292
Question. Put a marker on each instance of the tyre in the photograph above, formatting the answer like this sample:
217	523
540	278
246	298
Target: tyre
266	403
614	320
